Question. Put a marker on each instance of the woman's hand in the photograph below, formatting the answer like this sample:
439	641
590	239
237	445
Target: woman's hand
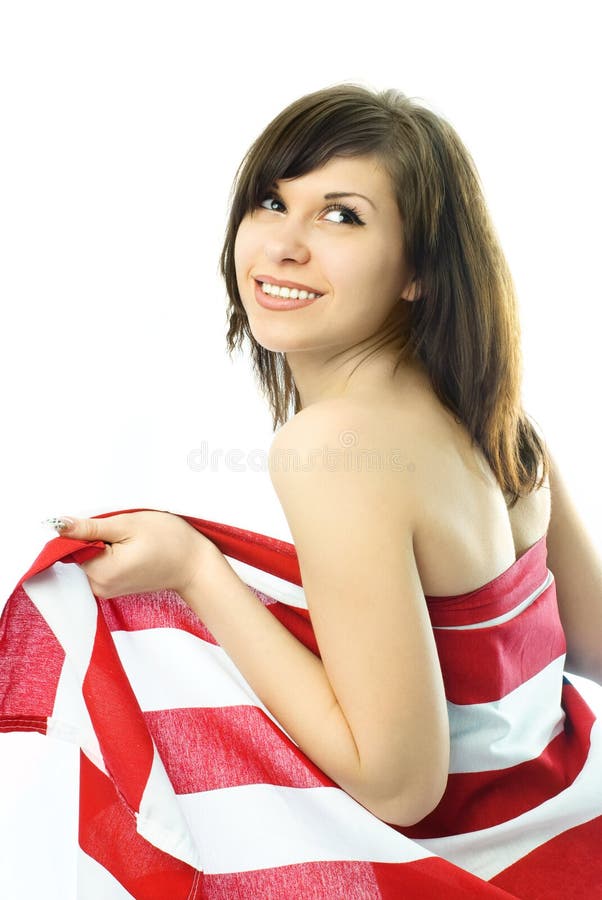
146	551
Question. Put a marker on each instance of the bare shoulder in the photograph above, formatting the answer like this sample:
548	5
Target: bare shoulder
326	414
354	437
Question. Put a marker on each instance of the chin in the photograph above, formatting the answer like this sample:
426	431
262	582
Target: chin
270	341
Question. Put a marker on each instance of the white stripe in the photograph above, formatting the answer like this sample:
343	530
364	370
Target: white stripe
506	732
170	669
160	819
39	798
491	850
258	826
277	588
484	736
64	598
70	720
505	617
94	882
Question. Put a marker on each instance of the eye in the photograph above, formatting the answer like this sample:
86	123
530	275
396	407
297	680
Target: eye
350	212
267	202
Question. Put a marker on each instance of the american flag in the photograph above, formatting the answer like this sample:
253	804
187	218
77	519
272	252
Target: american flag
136	761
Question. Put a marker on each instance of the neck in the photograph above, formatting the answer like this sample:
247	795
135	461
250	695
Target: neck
353	376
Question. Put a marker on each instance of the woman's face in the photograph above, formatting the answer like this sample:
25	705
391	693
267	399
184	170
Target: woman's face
354	256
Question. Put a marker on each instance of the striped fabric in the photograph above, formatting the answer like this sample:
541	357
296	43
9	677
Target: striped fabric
136	761
525	784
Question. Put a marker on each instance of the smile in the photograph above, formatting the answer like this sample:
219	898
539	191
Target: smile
275	290
283	298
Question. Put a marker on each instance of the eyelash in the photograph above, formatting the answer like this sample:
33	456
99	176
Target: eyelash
351	211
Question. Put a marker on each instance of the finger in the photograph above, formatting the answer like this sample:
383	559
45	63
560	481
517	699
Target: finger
98	569
109	529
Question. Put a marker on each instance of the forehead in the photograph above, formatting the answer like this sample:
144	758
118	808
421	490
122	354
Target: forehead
364	174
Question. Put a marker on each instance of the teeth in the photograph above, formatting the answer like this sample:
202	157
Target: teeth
293	293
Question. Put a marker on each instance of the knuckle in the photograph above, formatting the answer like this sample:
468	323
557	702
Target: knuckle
86	529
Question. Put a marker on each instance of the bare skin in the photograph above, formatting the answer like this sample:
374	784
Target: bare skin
371	710
364	279
425	525
458	499
359	269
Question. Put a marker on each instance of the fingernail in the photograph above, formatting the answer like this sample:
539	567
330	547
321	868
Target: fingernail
64	523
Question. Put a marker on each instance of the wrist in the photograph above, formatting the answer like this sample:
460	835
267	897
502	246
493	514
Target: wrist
205	556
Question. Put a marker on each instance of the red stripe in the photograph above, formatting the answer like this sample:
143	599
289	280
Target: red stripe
166	609
428	879
435	879
21	723
126	745
107	833
484	664
156	609
483	799
566	867
259	550
31	660
63	548
207	749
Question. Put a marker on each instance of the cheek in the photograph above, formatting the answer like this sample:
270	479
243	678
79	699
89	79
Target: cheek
368	283
365	272
245	259
385	272
243	243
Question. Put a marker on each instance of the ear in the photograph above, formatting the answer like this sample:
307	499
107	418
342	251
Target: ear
411	291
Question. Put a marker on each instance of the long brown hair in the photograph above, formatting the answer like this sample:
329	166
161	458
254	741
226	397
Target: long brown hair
465	325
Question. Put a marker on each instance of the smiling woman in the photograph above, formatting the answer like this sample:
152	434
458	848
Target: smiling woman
388	320
379	709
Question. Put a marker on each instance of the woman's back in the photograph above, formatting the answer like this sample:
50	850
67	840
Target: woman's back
465	535
523	782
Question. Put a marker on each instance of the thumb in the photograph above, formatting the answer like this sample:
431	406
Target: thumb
86	529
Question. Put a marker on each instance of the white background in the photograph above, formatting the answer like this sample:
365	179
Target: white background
122	127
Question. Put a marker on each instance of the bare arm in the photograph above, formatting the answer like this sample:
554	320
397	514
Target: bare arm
371	713
577	569
288	678
353	532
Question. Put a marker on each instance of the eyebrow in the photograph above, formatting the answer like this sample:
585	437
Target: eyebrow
334	194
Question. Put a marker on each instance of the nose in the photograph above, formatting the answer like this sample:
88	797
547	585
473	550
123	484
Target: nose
285	241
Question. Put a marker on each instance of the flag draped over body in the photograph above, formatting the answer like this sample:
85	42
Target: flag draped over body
136	761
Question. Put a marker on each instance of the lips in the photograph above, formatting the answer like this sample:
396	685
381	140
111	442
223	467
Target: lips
289	284
280	304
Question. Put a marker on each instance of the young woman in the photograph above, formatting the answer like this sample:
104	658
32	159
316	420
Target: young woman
364	272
